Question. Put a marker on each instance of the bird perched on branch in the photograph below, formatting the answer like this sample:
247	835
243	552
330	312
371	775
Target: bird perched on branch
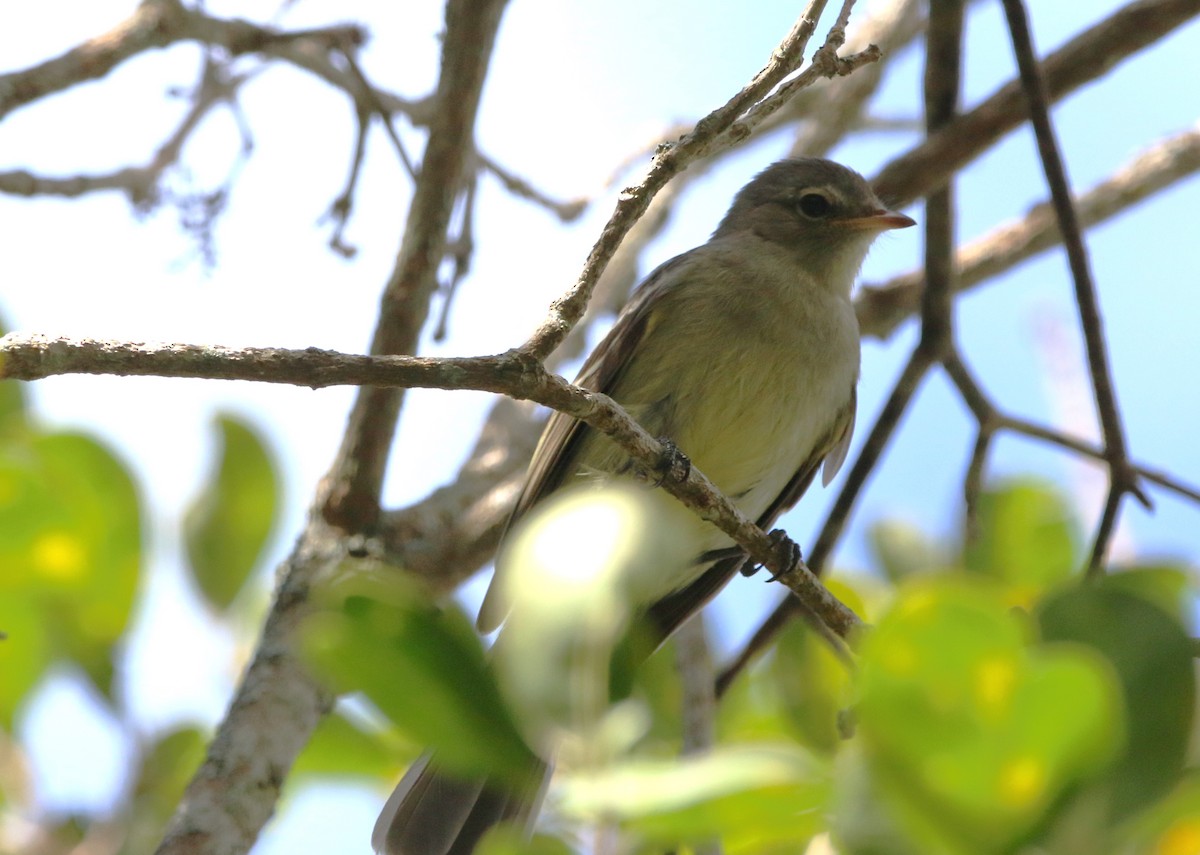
744	352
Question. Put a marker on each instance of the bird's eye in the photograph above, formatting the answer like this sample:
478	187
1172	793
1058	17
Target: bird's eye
815	206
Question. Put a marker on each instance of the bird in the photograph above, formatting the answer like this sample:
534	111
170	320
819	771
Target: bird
743	353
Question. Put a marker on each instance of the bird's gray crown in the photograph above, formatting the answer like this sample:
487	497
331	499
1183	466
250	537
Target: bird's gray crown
790	185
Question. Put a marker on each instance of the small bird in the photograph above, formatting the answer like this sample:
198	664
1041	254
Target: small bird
744	352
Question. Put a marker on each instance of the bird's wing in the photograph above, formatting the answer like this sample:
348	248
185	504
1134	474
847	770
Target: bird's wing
554	458
843	432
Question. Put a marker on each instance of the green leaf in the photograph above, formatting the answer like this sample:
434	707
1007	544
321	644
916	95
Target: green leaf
166	767
1026	538
1172	826
422	666
229	523
812	684
656	682
343	746
70	543
25	653
1169	586
749	796
1151	655
13	405
507	839
973	736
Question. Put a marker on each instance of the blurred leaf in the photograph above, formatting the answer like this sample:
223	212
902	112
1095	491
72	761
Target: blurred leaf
901	550
229	523
24	654
167	766
1168	586
748	796
767	702
70	543
13	405
656	682
564	655
973	736
812	685
506	839
1152	657
1171	827
860	821
751	709
1026	538
422	666
342	746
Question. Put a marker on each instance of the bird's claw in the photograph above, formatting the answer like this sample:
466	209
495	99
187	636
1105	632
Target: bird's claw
788	551
673	465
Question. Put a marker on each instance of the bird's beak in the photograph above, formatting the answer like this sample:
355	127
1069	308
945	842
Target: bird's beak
880	221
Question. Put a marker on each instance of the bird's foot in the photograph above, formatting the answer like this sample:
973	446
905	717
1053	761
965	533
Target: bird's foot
673	465
787	550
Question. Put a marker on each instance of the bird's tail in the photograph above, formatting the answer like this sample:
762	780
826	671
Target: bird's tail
434	813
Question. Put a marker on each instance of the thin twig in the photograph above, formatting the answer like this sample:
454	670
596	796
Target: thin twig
707	137
1156	476
882	308
987	419
459	250
566	211
1121	476
340	209
375	103
159	23
140	183
828	113
1084	58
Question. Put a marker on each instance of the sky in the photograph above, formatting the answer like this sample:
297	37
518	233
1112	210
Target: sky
575	89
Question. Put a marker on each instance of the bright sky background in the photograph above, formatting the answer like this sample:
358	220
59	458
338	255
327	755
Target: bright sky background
574	89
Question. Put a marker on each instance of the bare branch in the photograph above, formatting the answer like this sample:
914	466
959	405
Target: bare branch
881	308
277	705
140	183
828	113
351	495
271	717
514	374
1086	57
159	23
444	538
707	137
1121	476
566	211
1079	446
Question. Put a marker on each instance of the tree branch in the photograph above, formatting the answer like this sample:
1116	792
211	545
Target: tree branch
1089	55
711	134
1121	477
882	308
160	23
351	493
514	374
277	704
